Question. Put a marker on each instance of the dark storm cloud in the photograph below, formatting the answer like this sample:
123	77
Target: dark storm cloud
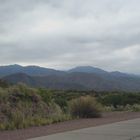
67	33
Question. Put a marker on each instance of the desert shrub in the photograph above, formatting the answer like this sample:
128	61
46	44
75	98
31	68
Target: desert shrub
85	107
56	114
130	108
136	108
3	95
21	107
21	92
108	108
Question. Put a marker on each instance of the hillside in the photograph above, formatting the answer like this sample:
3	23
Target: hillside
87	69
82	78
29	70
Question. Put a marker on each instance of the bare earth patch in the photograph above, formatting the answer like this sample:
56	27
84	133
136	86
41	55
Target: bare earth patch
24	134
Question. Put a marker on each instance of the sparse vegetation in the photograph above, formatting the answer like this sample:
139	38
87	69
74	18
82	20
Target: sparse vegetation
130	108
22	106
120	101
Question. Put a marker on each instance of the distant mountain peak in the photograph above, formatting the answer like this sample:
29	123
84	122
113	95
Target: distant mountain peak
12	65
79	78
29	70
87	69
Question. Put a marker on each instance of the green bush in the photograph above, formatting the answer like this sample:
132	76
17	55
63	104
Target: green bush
46	95
85	107
62	102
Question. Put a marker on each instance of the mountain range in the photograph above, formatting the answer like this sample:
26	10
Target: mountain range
78	78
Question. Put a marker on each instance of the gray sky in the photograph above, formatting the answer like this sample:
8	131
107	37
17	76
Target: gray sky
65	33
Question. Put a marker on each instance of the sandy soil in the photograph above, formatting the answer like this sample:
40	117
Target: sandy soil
107	118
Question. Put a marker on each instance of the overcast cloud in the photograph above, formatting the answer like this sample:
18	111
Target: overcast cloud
67	33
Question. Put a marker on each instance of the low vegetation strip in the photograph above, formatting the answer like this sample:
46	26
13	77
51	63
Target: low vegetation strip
110	117
23	107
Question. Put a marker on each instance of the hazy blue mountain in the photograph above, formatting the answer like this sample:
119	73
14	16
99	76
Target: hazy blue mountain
78	81
79	78
20	78
30	70
120	74
10	69
87	69
50	81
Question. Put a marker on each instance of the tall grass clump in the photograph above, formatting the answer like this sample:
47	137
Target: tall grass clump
85	107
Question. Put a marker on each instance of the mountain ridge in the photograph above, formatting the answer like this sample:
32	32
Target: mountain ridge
87	69
79	78
38	70
30	70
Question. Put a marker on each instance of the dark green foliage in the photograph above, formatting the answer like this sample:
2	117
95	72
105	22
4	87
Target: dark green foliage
62	103
117	99
4	84
112	100
46	95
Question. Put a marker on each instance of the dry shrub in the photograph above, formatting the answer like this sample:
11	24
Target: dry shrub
85	107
